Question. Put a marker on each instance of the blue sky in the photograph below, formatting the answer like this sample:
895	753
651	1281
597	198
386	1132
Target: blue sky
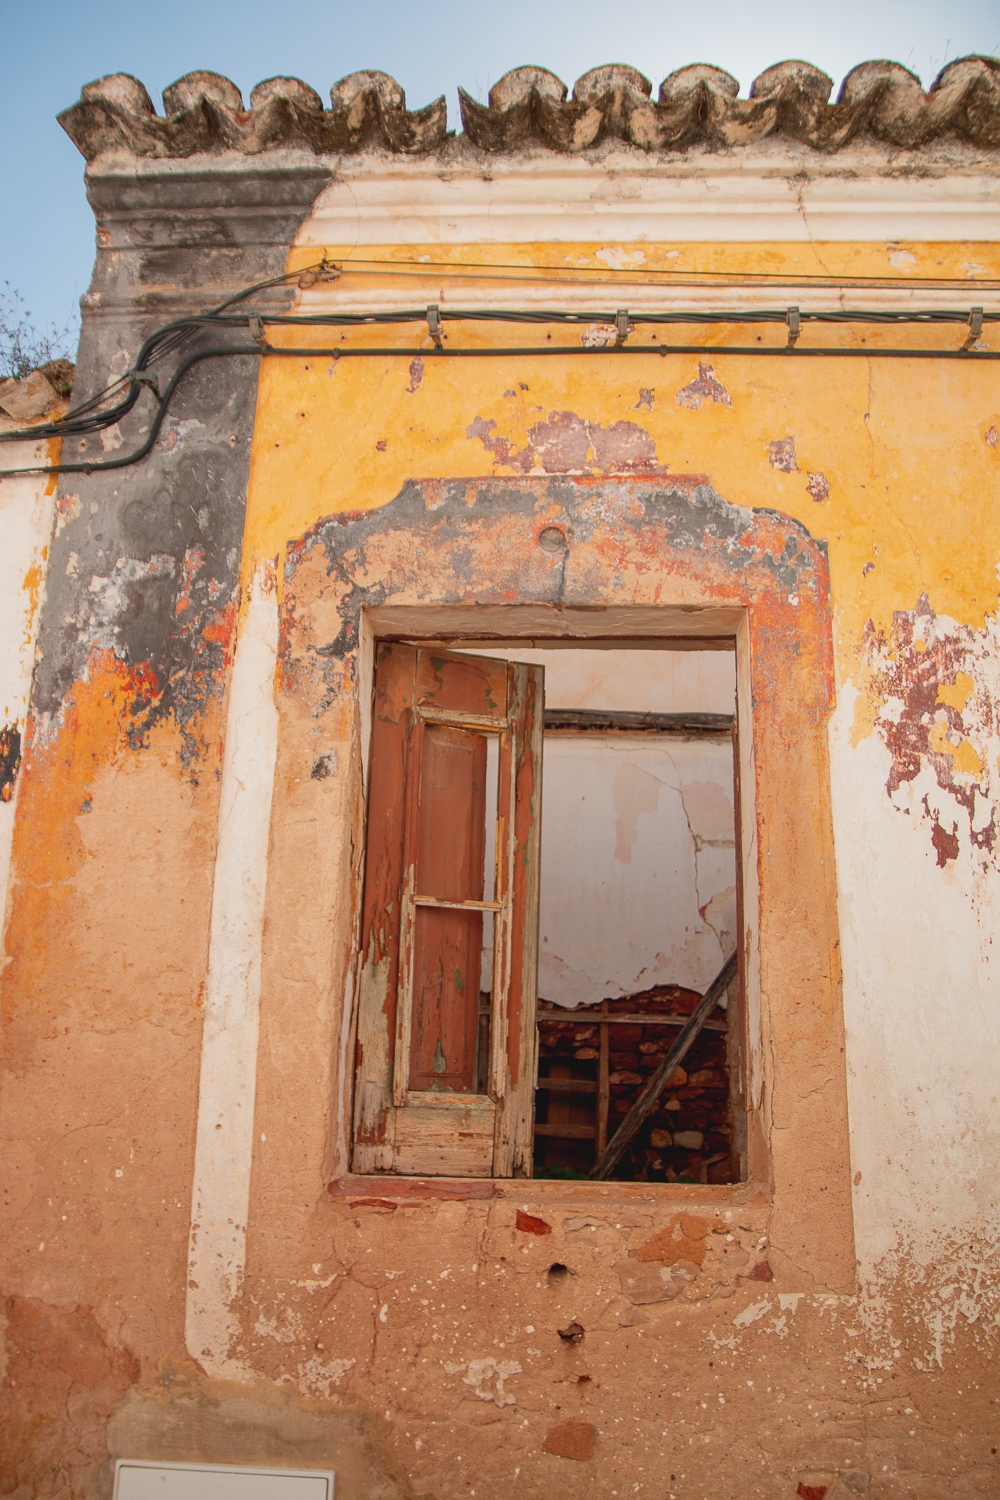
46	247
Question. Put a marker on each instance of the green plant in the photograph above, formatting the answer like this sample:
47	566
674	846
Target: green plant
23	347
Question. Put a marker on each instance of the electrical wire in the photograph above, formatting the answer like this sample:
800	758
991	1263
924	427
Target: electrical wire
636	276
93	415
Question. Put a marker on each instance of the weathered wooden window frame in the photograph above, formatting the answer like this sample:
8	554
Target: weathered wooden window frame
398	1129
724	630
647	561
604	627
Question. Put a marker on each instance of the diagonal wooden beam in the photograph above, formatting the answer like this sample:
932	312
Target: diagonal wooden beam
646	1102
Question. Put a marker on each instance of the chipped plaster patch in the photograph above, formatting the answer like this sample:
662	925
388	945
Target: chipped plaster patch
480	1373
752	1313
781	455
565	443
705	387
931	691
620	259
317	1378
900	258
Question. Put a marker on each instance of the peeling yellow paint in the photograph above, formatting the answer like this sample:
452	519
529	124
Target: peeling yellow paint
956	694
963	754
336	435
32	585
632	262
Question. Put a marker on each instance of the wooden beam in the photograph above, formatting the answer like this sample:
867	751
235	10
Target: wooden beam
602	721
566	1086
596	1018
603	1087
568	1132
646	1102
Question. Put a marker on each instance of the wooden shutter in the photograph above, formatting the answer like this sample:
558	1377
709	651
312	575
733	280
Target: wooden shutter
741	1006
445	1069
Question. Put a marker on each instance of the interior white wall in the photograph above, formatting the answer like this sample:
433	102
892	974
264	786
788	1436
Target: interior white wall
638	866
647	681
638	883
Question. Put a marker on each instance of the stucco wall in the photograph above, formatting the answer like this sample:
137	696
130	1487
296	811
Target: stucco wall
27	508
189	842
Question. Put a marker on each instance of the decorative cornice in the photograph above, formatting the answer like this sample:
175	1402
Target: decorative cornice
698	105
203	112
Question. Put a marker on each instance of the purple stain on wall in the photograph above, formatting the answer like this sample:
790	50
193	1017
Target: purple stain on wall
565	443
416	375
781	456
705	387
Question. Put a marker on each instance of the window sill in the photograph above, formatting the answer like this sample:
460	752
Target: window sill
388	1189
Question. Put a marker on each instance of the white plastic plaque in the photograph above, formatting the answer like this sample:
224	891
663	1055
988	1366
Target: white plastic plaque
137	1480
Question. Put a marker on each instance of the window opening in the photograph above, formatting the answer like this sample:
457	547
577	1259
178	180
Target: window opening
638	914
637	911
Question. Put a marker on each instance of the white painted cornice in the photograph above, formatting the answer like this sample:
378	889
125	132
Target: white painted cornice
725	197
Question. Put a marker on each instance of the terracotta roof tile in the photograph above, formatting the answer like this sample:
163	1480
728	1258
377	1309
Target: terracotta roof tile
698	105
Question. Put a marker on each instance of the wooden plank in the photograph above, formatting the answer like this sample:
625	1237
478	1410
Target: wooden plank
378	975
601	721
469	638
603	1085
464	683
568	1132
514	1140
456	720
444	1135
738	846
566	1086
457	905
646	1102
504	875
407	914
449	833
594	1018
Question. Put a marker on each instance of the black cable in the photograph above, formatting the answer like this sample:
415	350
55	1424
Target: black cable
561	350
90	416
542	316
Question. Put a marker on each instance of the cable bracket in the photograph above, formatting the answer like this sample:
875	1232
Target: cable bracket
140	377
434	325
256	328
975	328
794	322
621	326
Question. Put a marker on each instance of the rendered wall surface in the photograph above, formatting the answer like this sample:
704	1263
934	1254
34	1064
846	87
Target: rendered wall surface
638	874
638	880
183	1281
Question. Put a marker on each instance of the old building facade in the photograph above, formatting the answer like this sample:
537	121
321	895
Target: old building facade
591	513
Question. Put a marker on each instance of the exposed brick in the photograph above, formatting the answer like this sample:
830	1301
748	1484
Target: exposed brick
571	1440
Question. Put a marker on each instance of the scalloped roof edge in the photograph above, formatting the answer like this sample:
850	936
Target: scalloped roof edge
698	105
